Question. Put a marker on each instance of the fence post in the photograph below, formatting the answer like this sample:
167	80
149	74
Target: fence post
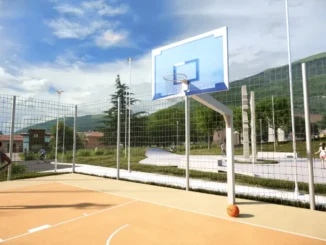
187	121
75	139
308	136
12	130
118	138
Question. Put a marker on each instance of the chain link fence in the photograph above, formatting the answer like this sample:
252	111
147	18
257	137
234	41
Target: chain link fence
95	138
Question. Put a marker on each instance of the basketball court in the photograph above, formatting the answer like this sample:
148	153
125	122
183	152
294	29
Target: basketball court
80	209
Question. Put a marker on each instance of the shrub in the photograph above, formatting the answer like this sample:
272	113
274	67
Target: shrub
83	153
99	152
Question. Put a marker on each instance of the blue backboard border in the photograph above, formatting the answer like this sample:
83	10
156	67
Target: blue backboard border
220	32
175	70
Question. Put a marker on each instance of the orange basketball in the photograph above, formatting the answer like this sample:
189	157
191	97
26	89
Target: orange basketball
233	210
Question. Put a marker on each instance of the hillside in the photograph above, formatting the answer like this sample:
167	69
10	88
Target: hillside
84	123
312	57
273	81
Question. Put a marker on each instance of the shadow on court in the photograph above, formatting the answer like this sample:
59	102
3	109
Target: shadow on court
245	216
77	206
39	166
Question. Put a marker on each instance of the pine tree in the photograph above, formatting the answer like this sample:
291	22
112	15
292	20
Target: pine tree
111	115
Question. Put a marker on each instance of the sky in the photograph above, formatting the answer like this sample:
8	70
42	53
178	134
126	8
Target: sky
80	46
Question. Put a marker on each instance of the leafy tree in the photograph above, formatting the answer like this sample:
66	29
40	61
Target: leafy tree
237	118
208	121
282	114
166	126
300	128
109	120
68	137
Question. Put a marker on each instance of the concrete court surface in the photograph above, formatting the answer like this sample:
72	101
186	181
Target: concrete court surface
80	209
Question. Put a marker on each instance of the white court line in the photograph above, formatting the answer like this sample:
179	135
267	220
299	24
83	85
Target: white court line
68	221
191	211
115	232
39	228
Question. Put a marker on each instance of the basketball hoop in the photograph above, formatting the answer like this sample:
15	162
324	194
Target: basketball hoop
176	77
177	83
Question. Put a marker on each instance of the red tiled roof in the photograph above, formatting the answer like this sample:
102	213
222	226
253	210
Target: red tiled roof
313	117
93	134
7	138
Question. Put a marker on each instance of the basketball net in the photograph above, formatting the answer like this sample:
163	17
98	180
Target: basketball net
176	83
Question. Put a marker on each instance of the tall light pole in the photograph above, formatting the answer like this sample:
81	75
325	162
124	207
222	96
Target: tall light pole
274	130
59	92
296	188
261	137
63	137
129	115
126	123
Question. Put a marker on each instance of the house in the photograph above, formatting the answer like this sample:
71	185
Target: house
35	139
92	139
219	137
17	143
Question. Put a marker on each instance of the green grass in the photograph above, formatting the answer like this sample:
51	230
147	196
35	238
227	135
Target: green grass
259	161
138	154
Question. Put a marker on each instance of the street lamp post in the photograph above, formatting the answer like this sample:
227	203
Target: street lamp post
59	92
261	137
296	188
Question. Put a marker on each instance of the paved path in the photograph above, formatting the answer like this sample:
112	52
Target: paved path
284	170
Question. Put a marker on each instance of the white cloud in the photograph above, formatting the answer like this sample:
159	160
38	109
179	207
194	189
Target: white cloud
69	9
82	82
257	29
93	4
89	21
64	28
110	38
5	77
104	9
110	11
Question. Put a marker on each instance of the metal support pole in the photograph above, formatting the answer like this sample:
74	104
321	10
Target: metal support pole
296	189
308	137
12	130
253	127
57	132
118	138
126	125
212	103
63	138
261	137
187	121
274	132
129	115
230	158
75	141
